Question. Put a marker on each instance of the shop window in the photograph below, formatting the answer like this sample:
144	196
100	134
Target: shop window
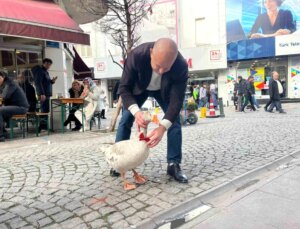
7	58
33	58
84	50
21	58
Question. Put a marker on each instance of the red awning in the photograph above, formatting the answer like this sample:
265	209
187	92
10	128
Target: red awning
81	70
39	19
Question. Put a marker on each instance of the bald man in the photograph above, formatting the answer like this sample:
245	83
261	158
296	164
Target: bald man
155	70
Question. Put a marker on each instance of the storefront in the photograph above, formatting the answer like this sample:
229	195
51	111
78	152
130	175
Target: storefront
255	51
32	30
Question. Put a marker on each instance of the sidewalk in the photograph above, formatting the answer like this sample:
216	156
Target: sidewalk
275	204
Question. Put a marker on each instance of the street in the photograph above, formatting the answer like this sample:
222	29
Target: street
63	181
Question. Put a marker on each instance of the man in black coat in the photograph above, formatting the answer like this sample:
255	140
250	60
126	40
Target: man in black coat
157	70
43	83
250	90
275	91
241	87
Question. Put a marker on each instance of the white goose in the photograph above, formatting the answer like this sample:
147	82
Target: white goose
128	154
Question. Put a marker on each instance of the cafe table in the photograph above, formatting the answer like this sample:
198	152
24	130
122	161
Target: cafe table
64	105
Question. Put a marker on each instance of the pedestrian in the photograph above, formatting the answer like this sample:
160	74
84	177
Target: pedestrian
213	95
75	91
15	101
241	90
196	94
158	70
43	84
235	97
275	91
24	80
101	101
270	100
202	95
250	91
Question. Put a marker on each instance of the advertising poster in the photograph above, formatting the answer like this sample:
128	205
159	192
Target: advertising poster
262	28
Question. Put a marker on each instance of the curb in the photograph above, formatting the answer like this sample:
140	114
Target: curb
178	211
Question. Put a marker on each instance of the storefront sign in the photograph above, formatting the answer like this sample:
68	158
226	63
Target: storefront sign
203	58
287	45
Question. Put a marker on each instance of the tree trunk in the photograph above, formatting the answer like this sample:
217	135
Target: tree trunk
115	116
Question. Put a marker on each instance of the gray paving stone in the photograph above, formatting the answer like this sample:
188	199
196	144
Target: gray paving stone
61	216
54	210
45	221
99	223
6	216
16	222
81	211
71	223
2	226
120	224
91	216
114	217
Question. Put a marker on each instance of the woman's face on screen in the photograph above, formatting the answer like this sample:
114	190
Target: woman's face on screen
271	4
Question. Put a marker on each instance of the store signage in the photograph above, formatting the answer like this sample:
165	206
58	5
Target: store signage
52	44
215	55
287	45
101	66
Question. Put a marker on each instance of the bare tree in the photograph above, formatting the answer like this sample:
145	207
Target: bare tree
121	22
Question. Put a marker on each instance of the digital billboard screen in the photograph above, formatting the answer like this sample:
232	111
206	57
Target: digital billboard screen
252	19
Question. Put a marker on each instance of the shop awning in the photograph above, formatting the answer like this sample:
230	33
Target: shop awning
39	19
81	70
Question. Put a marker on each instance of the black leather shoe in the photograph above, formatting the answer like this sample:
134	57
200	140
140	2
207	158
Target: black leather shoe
174	171
114	173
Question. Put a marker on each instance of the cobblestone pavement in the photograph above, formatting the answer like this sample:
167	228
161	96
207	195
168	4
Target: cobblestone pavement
62	181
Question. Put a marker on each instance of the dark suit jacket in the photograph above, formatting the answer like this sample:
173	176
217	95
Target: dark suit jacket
137	76
274	91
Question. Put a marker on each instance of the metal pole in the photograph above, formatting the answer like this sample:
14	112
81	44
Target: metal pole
222	115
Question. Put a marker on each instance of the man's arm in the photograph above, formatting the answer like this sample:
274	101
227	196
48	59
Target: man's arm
129	76
38	79
8	90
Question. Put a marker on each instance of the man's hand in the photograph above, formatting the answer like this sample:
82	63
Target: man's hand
156	135
42	98
139	119
54	79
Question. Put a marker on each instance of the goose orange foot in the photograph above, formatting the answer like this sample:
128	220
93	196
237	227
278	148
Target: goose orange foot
128	186
138	178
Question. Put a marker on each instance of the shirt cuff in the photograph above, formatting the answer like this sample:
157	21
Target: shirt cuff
166	123
134	108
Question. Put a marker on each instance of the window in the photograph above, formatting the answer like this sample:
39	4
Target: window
201	35
84	50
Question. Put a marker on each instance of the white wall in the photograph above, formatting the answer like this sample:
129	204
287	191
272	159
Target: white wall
214	13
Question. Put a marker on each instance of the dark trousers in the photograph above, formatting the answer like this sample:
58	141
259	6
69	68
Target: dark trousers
277	104
45	106
102	114
268	103
8	111
72	117
248	98
174	145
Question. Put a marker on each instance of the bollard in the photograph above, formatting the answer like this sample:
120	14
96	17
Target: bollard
222	115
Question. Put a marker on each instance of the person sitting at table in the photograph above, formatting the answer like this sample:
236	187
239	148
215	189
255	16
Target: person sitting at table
15	101
75	91
91	95
24	80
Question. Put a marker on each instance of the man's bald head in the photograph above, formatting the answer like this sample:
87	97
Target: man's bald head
275	75
163	55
